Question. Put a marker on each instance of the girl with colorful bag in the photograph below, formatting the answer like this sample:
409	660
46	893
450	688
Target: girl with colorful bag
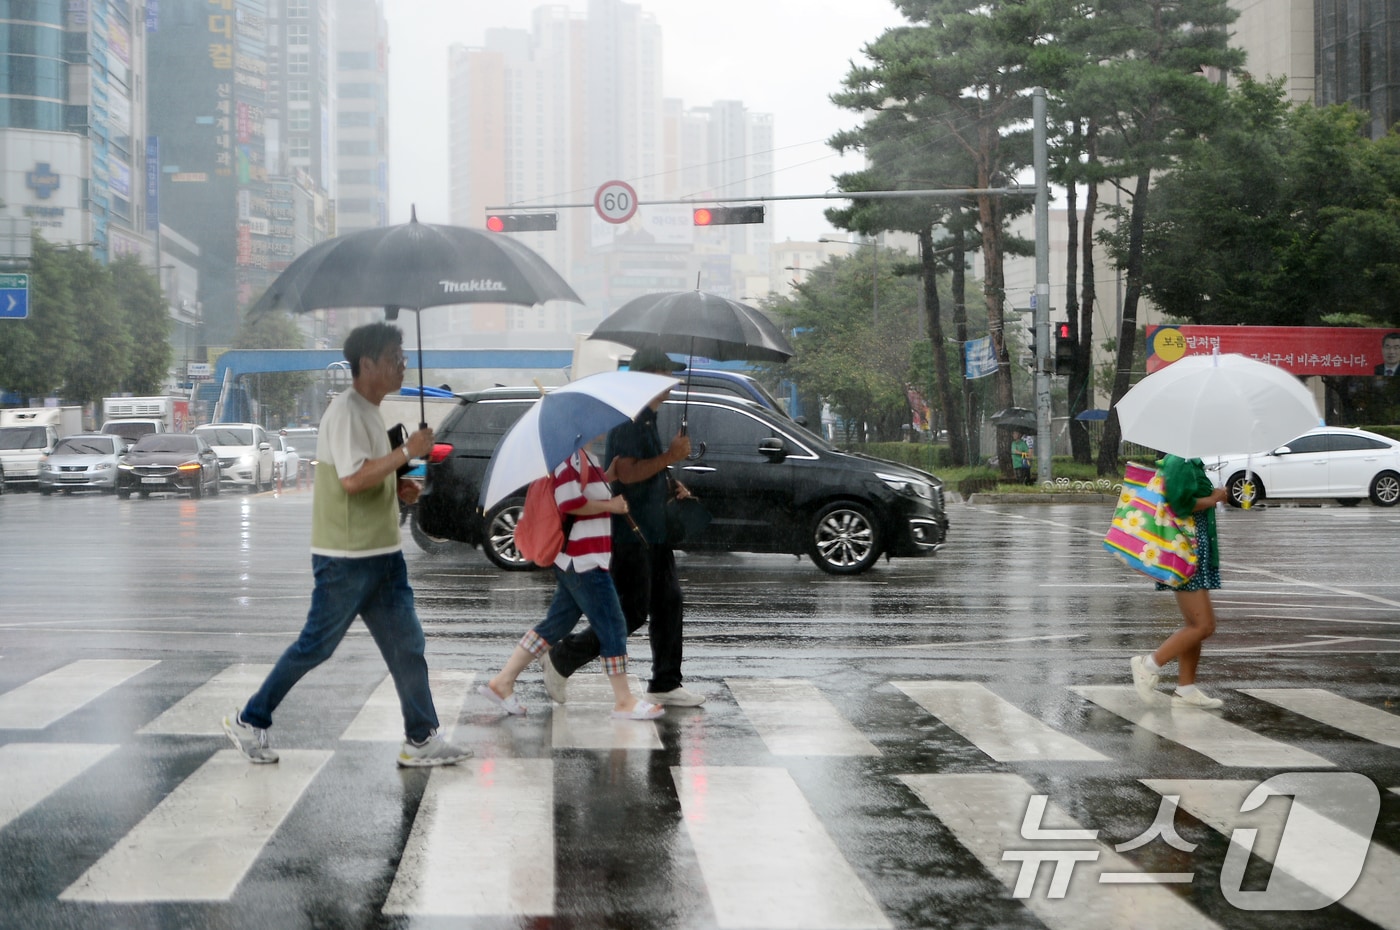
1189	491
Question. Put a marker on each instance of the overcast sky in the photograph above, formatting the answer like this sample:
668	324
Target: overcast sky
783	57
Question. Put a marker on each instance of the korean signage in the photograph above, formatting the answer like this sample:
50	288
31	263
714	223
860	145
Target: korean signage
1302	350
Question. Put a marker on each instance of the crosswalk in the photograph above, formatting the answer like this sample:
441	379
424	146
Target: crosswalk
756	823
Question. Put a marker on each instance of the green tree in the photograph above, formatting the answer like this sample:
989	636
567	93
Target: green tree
276	392
856	358
959	75
147	317
1145	85
1280	217
101	358
35	352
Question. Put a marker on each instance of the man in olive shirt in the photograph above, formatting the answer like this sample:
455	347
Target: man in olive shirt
357	558
643	569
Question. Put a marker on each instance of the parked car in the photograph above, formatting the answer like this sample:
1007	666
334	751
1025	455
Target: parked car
769	484
286	459
1325	462
244	451
181	462
87	460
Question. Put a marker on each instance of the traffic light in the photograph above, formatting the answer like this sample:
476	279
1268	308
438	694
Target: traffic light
522	222
728	216
1064	349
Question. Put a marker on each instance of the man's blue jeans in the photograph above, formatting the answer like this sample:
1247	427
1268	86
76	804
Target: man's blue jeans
375	588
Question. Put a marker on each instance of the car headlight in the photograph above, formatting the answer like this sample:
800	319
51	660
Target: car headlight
102	466
45	466
905	485
245	460
124	466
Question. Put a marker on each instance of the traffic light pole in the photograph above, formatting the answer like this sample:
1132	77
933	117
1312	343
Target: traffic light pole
1044	356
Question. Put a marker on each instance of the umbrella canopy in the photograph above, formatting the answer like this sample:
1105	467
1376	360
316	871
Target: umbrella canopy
413	266
1018	418
563	421
696	323
1216	404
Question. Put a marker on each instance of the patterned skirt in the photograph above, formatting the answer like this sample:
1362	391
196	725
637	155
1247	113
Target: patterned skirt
1206	577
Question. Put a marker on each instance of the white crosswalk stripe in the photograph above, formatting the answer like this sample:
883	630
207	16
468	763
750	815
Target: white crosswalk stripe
767	860
795	719
1202	731
380	720
987	813
482	843
993	724
1356	718
199	712
31	772
1218	802
51	697
201	840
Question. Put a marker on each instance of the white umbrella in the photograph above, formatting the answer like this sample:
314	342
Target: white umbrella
563	421
1216	404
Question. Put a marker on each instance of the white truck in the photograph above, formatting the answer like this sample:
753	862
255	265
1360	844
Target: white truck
133	417
29	434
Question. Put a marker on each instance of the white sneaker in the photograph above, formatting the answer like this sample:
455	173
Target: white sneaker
676	697
1197	698
555	684
249	740
1143	680
432	751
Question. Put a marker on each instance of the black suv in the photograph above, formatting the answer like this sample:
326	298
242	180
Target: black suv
769	484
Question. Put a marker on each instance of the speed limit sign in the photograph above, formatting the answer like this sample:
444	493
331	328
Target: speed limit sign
615	202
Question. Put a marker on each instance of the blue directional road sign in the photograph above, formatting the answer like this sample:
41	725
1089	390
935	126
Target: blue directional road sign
14	296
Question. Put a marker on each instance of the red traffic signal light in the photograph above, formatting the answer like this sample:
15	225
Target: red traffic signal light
1064	349
727	216
522	222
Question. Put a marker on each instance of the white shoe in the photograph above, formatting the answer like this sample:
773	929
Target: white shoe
1143	680
432	751
1197	698
555	684
250	740
676	697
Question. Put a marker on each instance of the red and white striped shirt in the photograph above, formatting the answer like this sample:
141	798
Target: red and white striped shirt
589	545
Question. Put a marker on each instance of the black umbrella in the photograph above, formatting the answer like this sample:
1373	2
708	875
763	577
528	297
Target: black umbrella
695	323
1017	418
413	266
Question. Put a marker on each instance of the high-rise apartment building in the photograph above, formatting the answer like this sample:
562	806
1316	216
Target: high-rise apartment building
546	116
359	116
1357	46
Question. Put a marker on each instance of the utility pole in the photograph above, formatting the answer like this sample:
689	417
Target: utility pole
1043	357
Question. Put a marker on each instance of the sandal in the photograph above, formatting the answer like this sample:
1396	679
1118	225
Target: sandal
643	711
510	705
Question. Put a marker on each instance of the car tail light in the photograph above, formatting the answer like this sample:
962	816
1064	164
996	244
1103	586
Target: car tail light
440	451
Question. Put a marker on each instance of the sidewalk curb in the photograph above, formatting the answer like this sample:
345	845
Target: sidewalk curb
1049	497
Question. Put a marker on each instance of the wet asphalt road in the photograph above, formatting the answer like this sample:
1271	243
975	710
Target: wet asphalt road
867	754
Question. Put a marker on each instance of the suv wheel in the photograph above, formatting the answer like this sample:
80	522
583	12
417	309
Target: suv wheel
433	545
844	538
499	544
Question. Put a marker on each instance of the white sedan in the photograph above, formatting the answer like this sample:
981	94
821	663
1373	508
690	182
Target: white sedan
287	461
1326	462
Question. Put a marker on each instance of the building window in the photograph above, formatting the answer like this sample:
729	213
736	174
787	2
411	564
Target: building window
358	119
298	120
357	176
299	146
356	91
298	61
355	61
298	34
299	90
298	9
355	147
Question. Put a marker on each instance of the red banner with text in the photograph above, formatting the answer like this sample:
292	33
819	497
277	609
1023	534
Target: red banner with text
1302	350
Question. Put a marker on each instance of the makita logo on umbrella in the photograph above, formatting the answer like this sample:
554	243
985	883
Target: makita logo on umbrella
476	284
